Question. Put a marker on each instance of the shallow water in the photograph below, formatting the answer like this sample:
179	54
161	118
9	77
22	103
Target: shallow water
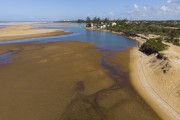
103	40
119	101
5	58
2	26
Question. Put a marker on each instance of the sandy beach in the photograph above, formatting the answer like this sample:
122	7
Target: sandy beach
26	30
158	81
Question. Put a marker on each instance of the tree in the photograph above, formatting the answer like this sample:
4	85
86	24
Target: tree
173	34
95	20
88	20
106	20
98	21
80	21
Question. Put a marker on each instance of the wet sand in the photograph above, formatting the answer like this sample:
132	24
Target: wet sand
22	31
68	81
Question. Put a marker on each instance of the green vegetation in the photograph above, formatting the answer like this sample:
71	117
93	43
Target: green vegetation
97	21
144	27
81	21
168	30
173	37
88	20
153	46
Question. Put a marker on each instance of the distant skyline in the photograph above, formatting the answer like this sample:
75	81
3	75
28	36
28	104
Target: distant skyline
51	10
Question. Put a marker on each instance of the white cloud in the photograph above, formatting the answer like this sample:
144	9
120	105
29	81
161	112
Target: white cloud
136	6
164	8
169	10
169	1
31	17
145	8
111	13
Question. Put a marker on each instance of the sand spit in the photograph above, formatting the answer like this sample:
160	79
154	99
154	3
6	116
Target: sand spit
27	31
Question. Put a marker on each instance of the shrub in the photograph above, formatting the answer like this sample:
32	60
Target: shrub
176	42
161	56
153	46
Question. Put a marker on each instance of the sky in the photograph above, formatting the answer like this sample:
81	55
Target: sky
50	10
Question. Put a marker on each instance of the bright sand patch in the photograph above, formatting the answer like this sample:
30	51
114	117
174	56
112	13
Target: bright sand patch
23	31
159	89
149	36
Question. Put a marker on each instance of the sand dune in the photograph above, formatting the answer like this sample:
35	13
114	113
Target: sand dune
158	81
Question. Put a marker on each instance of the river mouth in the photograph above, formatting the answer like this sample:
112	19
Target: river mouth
70	80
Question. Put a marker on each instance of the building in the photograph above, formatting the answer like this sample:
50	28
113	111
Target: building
92	25
103	26
114	24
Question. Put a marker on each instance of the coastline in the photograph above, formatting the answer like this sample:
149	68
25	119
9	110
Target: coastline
140	40
90	85
165	107
165	111
24	31
140	80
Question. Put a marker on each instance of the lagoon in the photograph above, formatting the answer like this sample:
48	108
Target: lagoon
84	84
